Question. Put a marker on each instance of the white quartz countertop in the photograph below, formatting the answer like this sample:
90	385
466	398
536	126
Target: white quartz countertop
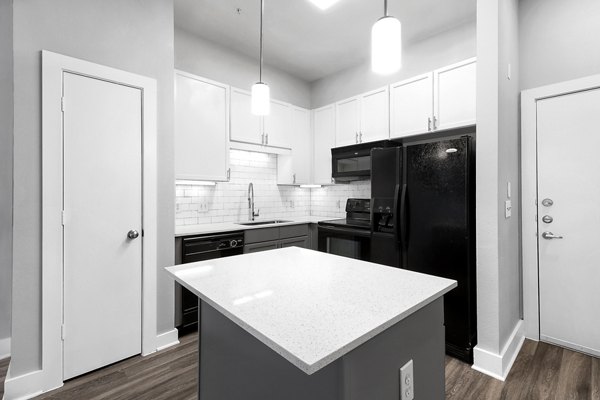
187	230
308	306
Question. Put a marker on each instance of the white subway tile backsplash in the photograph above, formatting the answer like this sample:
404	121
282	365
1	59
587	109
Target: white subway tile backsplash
228	201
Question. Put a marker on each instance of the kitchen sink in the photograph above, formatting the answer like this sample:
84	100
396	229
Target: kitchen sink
252	223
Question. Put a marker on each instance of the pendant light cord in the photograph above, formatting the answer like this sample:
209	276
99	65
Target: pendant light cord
385	9
262	11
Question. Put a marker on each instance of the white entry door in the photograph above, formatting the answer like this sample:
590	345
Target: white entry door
102	174
568	134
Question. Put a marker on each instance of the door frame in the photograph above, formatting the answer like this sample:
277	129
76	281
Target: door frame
53	67
529	170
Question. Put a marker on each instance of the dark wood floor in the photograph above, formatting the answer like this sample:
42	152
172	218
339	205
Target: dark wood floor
541	371
3	369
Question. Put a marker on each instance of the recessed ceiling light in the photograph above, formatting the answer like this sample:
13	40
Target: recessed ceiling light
323	4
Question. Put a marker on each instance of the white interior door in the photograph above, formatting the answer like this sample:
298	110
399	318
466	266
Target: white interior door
568	192
102	175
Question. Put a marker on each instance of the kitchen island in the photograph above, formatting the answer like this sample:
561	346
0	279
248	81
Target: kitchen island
298	324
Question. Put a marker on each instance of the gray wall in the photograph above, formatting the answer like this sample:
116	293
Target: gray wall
509	239
446	48
6	164
133	35
559	40
498	262
198	56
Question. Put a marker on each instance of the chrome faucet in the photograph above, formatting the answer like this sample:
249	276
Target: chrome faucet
251	213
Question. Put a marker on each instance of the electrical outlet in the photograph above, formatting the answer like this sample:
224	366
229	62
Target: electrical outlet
407	382
507	209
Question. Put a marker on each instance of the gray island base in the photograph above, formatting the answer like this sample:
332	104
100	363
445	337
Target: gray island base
234	365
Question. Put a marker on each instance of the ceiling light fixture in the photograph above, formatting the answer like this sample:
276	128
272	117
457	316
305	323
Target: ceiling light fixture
324	4
386	44
261	96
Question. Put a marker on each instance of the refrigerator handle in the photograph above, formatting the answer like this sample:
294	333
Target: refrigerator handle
402	218
396	215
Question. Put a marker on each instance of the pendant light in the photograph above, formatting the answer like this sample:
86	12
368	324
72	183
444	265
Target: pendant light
386	44
261	102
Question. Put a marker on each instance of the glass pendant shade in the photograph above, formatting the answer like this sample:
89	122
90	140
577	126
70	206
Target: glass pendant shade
386	46
261	99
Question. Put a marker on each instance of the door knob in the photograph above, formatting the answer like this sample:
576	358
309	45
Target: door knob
133	234
550	235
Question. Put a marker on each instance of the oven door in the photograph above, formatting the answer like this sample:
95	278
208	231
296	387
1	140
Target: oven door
347	242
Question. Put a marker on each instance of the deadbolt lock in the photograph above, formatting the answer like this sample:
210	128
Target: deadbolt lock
547	219
547	202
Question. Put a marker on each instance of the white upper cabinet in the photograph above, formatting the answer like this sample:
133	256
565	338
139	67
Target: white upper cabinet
245	127
411	106
364	118
455	94
347	114
277	126
295	168
323	140
442	99
201	128
271	130
375	118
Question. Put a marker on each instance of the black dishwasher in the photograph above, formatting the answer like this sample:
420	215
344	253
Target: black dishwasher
201	248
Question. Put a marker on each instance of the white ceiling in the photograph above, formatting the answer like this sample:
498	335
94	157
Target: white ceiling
309	43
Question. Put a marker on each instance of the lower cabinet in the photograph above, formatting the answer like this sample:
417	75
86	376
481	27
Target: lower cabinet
262	246
271	238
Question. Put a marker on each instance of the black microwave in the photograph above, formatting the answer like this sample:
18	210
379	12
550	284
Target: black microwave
351	163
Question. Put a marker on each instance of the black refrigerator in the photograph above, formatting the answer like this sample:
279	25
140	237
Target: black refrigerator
423	219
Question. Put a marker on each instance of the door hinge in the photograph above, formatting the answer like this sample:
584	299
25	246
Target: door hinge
62	104
62	217
62	332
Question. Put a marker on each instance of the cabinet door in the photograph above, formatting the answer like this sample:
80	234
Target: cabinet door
301	241
301	145
347	122
411	106
278	124
262	246
375	116
323	141
201	128
245	127
454	94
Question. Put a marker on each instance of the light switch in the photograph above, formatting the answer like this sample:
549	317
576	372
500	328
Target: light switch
507	209
508	190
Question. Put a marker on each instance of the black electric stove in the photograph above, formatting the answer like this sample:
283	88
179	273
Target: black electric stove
348	236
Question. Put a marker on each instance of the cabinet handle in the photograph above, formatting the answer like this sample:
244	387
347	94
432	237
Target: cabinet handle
429	124
294	177
228	174
356	137
262	139
360	138
266	138
435	123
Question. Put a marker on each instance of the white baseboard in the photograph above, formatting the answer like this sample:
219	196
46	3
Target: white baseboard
167	339
498	365
24	386
4	348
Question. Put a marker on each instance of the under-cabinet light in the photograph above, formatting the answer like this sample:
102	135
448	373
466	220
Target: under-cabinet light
195	183
310	186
